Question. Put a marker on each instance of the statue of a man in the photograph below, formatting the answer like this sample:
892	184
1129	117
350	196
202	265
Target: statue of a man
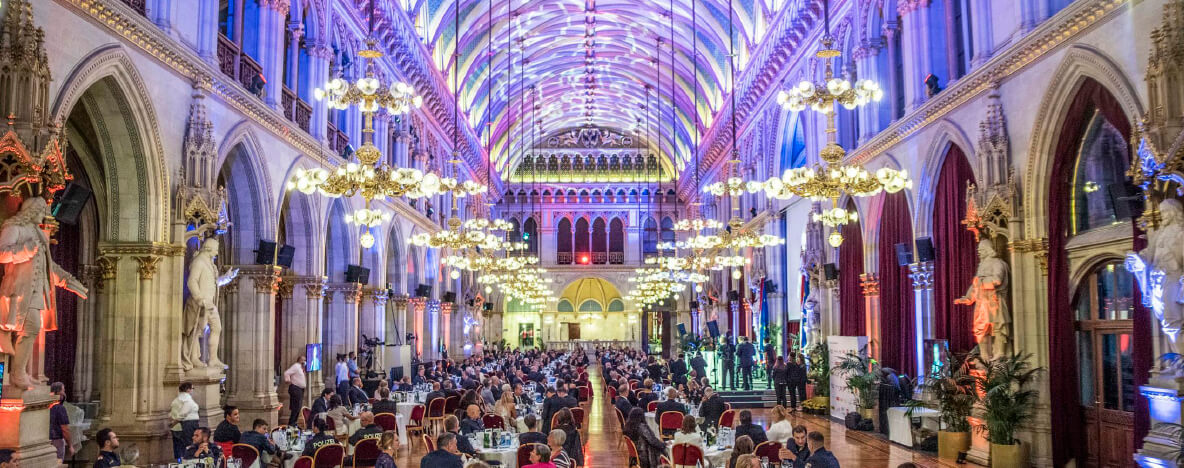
1159	268
988	294
813	320
201	309
27	297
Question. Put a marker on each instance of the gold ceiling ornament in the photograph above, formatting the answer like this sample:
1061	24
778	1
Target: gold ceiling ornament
831	179
529	285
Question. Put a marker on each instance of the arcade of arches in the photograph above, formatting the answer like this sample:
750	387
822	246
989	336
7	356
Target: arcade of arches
176	141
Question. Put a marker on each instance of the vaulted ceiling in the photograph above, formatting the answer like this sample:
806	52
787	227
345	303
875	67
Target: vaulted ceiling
606	63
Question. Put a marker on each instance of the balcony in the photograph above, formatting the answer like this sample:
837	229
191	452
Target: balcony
563	258
616	258
237	65
337	138
296	110
599	258
140	6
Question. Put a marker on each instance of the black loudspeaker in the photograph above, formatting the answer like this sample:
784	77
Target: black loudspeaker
830	271
265	253
449	296
682	329
287	253
713	328
733	295
904	255
69	206
357	274
925	252
694	305
423	290
1127	200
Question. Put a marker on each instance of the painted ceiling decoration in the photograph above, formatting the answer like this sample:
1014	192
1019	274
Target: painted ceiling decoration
588	63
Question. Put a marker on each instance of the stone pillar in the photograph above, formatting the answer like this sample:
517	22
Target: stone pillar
980	31
317	74
207	31
160	12
302	324
292	71
922	276
86	352
340	324
250	343
373	323
271	48
1029	293
865	68
24	425
139	305
891	83
870	283
918	62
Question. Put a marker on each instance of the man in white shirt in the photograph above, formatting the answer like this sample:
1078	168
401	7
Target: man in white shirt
341	372
183	414
295	379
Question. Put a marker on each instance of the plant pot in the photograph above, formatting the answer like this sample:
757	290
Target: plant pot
949	444
1009	456
809	391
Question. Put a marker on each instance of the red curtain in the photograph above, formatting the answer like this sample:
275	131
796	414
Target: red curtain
954	265
898	333
1062	339
851	307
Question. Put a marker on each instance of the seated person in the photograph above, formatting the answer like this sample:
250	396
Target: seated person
369	430
227	430
532	434
747	428
203	447
447	453
320	437
257	437
384	403
462	443
472	422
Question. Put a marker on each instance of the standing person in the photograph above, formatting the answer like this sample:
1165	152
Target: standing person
729	355
770	358
183	413
820	457
779	375
297	382
59	422
797	383
699	364
352	364
107	442
678	370
745	352
341	372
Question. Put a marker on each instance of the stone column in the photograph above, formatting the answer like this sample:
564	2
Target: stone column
871	307
315	76
271	48
865	68
373	323
207	31
160	12
250	344
918	61
292	75
86	352
302	324
1029	293
340	323
983	42
922	276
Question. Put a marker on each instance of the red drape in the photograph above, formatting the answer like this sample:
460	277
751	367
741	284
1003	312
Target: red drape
954	265
851	307
898	333
61	345
1066	407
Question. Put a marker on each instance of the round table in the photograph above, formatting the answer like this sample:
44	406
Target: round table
507	456
651	419
404	416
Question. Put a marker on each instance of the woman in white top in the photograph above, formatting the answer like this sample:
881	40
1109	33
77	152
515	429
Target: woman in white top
689	434
782	429
506	409
340	415
183	413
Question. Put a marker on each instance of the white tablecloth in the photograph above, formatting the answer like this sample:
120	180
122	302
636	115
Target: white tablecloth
900	427
652	420
508	457
403	417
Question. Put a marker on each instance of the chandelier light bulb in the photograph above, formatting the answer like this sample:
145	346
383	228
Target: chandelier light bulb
367	239
835	239
736	274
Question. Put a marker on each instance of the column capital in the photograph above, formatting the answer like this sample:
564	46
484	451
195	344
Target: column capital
266	278
351	291
320	49
400	299
147	265
285	289
107	267
378	295
904	7
280	6
1038	247
870	284
922	275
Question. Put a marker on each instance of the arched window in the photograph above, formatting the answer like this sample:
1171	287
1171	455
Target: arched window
515	230
583	249
599	242
530	235
563	242
649	238
667	230
1104	303
793	148
1101	163
616	242
238	43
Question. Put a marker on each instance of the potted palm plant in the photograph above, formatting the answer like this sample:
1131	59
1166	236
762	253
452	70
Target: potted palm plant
949	390
1007	403
818	376
862	375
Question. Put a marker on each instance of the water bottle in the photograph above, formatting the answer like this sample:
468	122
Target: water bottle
765	462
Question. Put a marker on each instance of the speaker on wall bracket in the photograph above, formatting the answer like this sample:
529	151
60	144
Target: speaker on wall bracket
925	252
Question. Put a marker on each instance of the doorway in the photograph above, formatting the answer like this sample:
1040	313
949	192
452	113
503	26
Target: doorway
1104	305
573	331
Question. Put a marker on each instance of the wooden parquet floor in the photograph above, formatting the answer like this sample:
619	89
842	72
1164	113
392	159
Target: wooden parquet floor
602	435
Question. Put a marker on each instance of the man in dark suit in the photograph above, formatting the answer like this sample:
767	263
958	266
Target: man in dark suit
669	405
446	455
770	358
678	370
555	402
384	403
655	369
729	356
535	375
472	422
747	428
622	402
356	395
712	407
321	405
434	394
452	425
745	352
699	364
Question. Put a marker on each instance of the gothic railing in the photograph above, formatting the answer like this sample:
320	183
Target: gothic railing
616	258
295	109
599	258
237	65
563	258
139	5
590	345
337	138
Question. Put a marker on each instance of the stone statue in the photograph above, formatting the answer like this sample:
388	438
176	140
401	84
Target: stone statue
813	320
201	309
988	294
27	297
1159	269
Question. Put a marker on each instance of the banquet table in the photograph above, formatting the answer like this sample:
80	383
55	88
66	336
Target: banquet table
716	456
507	456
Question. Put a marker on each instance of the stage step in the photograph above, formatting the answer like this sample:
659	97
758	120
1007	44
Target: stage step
750	399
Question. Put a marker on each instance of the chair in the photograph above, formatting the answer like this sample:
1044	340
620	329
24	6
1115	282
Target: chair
415	424
634	459
727	405
524	453
769	448
728	418
651	407
491	421
429	443
577	415
387	421
303	462
247	453
669	421
225	446
612	394
620	417
633	384
687	455
307	417
366	452
451	404
436	414
585	394
331	455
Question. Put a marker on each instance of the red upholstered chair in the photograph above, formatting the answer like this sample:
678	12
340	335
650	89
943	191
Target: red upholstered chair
769	448
651	407
669	422
577	414
634	460
612	394
728	419
387	421
366	452
620	417
687	455
436	414
493	421
307	417
524	453
585	393
332	455
247	453
451	404
429	443
225	446
727	405
415	425
303	462
633	384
